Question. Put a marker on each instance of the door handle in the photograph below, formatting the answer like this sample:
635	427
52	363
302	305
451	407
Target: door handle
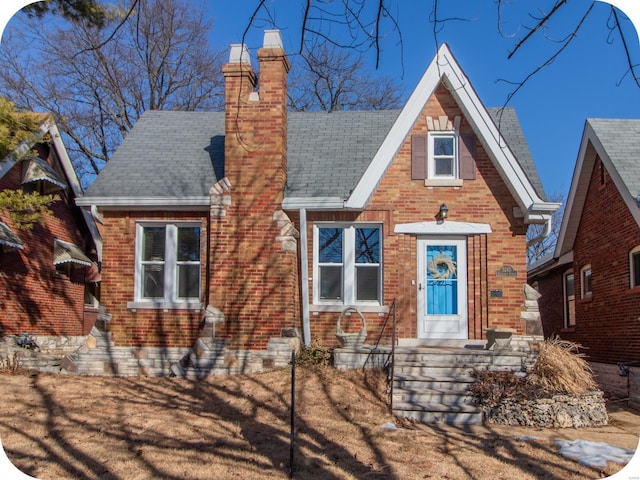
419	286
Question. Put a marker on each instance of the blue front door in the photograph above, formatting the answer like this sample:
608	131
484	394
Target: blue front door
442	288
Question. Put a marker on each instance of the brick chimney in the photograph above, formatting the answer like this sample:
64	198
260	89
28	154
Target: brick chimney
253	276
256	121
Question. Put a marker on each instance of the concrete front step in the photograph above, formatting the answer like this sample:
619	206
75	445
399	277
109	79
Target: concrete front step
414	383
430	396
435	413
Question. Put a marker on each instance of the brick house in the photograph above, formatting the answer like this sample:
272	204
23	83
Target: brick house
591	284
49	280
260	220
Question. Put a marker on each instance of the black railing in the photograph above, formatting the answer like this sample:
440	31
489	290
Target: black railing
390	360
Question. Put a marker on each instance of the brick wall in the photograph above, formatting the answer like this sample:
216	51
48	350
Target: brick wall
607	323
33	296
551	303
398	199
143	327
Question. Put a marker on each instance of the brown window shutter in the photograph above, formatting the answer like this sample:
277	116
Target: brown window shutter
418	157
467	152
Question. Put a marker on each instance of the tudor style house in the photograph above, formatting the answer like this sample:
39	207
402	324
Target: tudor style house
49	279
261	220
591	283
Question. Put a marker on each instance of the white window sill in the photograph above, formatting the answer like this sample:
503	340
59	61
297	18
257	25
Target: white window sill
443	182
339	308
161	305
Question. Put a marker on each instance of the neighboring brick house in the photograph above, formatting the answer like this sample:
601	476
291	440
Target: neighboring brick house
590	286
48	274
267	220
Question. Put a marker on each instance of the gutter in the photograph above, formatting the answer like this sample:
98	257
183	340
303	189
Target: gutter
304	278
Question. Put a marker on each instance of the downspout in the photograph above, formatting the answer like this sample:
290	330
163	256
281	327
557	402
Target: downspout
304	278
545	233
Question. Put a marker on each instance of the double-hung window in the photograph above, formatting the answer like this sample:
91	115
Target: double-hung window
569	300
443	155
167	263
347	264
585	281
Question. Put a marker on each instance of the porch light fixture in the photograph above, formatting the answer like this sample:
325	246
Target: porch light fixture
443	213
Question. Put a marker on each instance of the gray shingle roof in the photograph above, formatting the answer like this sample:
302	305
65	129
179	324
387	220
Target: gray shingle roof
329	152
182	153
166	154
507	122
621	140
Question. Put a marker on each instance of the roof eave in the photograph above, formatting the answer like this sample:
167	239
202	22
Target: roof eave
193	203
314	203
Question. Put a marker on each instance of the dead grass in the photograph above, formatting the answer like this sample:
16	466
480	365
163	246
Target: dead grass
560	368
63	427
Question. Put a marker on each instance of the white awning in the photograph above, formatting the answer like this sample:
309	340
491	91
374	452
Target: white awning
8	237
65	252
443	228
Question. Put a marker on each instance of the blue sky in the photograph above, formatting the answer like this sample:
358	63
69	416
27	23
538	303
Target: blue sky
587	80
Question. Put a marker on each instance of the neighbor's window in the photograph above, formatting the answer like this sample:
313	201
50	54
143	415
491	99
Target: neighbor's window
569	300
168	262
443	155
585	281
347	264
634	266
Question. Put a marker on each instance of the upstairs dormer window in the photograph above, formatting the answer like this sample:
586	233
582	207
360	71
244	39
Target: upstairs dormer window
443	155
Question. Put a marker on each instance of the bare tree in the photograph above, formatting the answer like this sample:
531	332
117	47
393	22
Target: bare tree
98	81
329	78
370	26
540	243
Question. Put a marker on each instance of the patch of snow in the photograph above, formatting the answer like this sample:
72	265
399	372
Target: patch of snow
594	454
388	426
525	439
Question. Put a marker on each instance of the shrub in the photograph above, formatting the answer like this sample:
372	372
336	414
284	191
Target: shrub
561	369
314	355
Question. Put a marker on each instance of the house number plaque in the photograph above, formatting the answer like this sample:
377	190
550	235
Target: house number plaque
506	271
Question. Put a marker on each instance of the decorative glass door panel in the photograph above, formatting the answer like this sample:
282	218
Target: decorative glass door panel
442	288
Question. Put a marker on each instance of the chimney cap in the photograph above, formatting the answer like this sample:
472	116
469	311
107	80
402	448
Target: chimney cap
239	53
272	39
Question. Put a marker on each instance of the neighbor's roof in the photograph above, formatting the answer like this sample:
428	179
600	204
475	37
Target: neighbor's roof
172	154
617	143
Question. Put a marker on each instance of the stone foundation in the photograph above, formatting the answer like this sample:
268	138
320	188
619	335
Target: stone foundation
560	411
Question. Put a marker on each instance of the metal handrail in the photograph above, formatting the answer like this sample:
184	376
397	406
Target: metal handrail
389	363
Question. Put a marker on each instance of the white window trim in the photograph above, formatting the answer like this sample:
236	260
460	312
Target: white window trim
633	282
568	321
431	167
584	293
348	265
170	300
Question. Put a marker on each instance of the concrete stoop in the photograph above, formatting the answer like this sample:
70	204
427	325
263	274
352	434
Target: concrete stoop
431	385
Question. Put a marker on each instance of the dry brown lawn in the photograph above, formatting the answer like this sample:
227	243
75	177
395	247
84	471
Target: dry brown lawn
57	427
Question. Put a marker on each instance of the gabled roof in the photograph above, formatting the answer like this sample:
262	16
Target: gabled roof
334	160
445	68
617	143
49	127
